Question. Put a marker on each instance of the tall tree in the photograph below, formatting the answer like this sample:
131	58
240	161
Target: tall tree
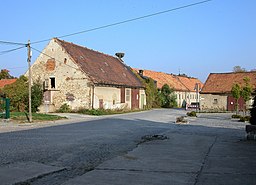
236	93
167	97
238	69
4	74
246	91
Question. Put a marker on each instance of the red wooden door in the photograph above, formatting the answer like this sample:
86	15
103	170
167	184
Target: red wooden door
135	98
232	104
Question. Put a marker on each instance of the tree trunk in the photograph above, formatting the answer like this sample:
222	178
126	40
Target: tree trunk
236	106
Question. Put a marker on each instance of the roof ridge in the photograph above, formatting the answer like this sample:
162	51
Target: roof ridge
84	47
235	72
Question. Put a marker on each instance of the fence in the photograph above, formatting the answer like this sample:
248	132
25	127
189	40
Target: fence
4	108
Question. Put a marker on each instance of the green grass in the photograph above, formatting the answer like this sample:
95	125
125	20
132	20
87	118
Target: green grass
23	117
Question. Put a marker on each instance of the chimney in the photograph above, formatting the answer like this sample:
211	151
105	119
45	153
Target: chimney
141	72
120	55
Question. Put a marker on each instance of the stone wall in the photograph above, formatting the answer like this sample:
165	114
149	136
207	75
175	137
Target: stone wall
213	102
72	86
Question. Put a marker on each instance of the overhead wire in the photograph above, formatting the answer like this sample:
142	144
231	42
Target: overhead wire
125	21
11	50
52	57
12	43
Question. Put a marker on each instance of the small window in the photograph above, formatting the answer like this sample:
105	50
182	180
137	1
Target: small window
53	84
215	101
127	95
65	60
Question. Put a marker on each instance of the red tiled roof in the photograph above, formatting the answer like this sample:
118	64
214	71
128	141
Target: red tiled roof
190	82
223	82
178	83
5	82
101	68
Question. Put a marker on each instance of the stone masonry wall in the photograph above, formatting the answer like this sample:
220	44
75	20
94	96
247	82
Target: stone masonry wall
213	102
72	86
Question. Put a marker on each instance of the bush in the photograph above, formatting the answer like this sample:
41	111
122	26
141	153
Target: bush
191	114
181	119
246	118
64	108
236	116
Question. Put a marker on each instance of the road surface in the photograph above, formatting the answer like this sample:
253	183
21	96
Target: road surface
136	148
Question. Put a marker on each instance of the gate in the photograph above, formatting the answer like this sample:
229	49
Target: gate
5	108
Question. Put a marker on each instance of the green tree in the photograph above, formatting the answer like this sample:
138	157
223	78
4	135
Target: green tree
17	92
4	74
246	91
36	96
166	97
151	93
236	93
253	111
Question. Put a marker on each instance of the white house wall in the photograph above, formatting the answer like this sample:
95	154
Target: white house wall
143	98
110	97
188	97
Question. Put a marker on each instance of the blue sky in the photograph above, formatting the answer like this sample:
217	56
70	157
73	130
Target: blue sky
208	38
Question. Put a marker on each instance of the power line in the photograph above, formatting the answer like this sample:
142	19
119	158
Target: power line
11	43
11	50
126	21
51	57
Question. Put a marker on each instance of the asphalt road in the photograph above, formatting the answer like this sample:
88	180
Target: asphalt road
61	153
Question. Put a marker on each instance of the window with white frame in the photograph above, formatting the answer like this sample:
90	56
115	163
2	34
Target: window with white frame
127	94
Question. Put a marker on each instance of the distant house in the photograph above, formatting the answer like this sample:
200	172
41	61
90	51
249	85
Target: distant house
186	88
216	93
5	82
84	78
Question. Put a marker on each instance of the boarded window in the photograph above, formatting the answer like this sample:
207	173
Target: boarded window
101	103
50	64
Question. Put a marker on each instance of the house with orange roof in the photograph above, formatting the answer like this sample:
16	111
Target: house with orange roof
84	78
216	93
5	82
185	88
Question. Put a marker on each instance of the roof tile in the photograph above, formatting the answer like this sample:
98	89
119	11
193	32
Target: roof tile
178	83
101	68
223	82
5	82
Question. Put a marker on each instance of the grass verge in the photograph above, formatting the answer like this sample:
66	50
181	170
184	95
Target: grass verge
23	117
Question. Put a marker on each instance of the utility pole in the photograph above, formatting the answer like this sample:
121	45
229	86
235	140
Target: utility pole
29	82
197	88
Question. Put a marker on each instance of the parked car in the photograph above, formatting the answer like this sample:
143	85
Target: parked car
194	105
